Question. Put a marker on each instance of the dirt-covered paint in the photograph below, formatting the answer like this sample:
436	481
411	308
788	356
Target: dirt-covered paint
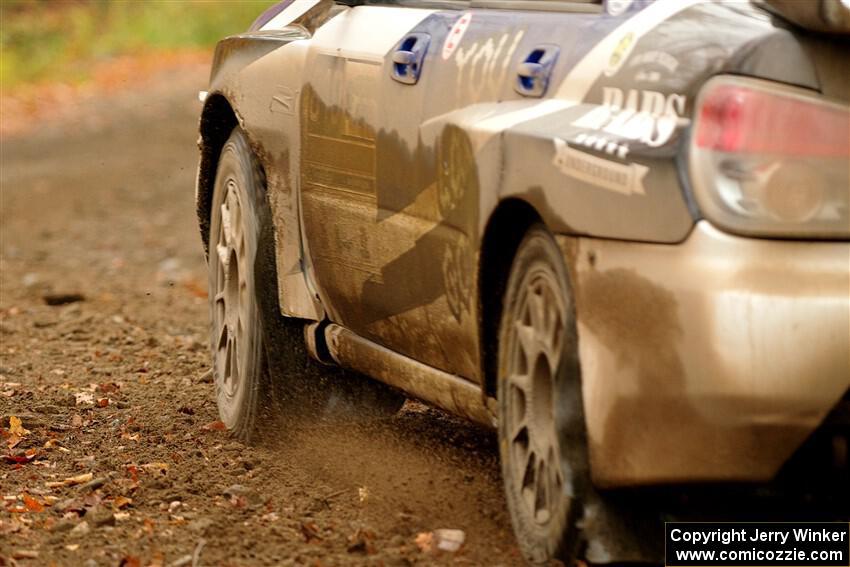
692	356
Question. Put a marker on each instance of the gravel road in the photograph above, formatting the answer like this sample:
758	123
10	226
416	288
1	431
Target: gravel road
118	458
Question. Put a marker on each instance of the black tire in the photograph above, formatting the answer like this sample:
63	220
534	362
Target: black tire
542	434
277	378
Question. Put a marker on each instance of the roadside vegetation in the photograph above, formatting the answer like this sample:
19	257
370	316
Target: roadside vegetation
63	40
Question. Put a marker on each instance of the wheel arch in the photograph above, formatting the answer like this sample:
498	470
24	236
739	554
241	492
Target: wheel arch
502	236
218	119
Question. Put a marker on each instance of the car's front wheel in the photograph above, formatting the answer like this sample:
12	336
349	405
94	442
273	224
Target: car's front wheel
541	423
236	334
260	363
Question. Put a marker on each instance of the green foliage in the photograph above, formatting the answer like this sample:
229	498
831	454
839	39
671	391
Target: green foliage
60	39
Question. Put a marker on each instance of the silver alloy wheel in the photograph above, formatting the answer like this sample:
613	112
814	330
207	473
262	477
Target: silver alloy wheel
229	300
534	353
541	422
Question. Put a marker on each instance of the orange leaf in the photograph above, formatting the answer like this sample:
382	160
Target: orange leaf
121	502
16	427
215	426
32	504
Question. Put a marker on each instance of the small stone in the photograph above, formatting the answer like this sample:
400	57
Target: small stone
71	504
201	525
30	279
449	540
55	299
81	529
100	516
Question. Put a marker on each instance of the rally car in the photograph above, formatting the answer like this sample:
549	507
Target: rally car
617	231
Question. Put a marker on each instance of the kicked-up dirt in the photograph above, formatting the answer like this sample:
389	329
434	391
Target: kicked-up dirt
111	452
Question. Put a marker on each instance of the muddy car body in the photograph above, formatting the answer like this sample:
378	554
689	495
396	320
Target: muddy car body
688	158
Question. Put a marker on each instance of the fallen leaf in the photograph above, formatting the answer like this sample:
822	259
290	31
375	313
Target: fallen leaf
79	479
130	561
215	426
84	398
121	502
425	541
16	427
310	531
72	546
25	458
102	402
32	504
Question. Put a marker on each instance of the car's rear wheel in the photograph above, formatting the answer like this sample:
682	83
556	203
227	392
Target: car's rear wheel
541	424
261	367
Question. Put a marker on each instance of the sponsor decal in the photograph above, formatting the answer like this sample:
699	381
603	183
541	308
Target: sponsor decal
617	177
482	68
621	52
652	65
644	116
617	7
456	34
655	57
603	144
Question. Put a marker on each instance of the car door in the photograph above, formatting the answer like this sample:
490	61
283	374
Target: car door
389	175
363	170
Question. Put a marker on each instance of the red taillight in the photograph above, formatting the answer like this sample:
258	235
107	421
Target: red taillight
736	119
768	159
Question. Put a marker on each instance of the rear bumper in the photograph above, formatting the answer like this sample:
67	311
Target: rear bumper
711	360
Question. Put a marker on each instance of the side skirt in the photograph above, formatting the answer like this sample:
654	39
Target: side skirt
446	391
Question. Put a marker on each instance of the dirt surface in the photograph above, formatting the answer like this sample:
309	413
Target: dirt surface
119	458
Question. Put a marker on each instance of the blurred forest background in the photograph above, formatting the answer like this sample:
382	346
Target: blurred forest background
57	53
64	40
